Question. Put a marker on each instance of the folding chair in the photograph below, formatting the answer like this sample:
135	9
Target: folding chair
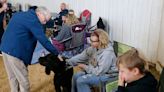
105	85
112	86
78	31
85	17
77	40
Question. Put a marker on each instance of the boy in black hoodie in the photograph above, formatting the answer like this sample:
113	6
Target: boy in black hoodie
132	74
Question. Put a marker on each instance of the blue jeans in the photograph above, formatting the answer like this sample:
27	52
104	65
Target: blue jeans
82	82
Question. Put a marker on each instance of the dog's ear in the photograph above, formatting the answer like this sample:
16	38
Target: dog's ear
54	57
42	61
47	70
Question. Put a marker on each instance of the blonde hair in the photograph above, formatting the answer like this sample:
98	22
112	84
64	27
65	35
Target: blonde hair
131	59
102	36
71	19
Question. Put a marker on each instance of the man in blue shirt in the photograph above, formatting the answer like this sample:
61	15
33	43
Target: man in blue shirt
3	8
19	42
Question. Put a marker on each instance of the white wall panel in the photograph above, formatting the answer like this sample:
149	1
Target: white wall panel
154	29
132	22
161	41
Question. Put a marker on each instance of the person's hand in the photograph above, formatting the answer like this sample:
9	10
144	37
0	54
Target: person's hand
121	80
5	7
66	60
82	66
60	58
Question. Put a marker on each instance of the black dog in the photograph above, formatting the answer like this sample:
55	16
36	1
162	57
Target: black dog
63	75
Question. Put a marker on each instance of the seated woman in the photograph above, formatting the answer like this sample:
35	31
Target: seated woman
72	19
96	62
63	33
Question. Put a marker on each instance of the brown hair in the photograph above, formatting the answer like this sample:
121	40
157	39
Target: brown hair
131	59
103	37
71	18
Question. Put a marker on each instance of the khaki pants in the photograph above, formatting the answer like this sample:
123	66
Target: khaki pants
17	73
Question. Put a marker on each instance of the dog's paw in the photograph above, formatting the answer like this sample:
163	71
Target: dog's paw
48	71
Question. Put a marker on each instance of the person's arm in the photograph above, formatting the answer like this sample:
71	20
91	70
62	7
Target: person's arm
3	8
103	64
121	83
38	32
133	88
63	32
4	22
80	58
121	89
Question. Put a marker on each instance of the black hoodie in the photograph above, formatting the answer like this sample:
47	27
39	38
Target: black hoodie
146	84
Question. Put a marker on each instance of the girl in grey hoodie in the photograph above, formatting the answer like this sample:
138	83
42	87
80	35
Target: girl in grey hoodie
98	63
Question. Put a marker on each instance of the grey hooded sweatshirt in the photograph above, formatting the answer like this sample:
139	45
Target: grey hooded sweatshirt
99	61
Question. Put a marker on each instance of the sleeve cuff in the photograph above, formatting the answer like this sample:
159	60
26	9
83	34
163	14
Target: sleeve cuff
121	88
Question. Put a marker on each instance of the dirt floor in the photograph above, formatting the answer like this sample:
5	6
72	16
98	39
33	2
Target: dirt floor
39	81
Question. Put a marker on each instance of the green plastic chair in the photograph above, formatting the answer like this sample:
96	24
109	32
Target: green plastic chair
122	48
111	86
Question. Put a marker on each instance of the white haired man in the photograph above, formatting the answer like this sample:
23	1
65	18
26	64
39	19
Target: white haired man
3	8
19	42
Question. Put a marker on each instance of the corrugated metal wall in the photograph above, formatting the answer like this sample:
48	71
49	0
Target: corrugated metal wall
133	22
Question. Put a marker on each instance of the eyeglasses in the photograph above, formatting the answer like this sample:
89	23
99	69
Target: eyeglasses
93	41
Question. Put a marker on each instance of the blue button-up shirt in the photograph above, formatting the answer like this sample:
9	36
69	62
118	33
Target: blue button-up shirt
21	35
